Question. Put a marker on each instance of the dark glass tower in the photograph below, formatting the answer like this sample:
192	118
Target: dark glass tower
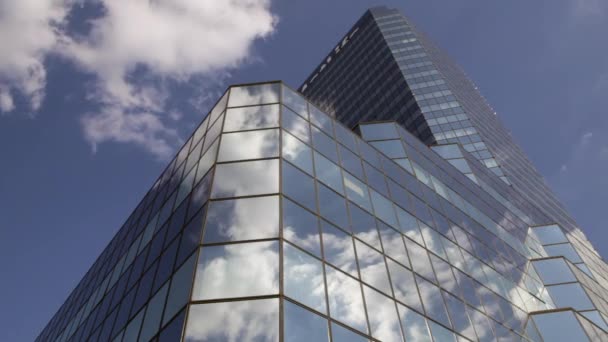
275	222
385	69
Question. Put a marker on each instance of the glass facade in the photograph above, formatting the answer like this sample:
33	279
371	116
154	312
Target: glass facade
277	222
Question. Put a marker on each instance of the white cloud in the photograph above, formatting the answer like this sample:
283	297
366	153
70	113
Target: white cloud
135	49
6	100
28	31
162	40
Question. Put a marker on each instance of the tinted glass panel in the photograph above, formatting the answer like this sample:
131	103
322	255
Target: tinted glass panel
299	186
244	118
382	313
297	152
295	125
249	145
242	219
302	325
254	94
254	320
345	301
338	248
301	227
237	270
303	278
246	178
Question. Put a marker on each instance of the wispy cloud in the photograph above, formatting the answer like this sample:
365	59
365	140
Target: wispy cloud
28	32
134	50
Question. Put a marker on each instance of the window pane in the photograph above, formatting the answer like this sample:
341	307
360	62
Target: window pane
246	178
297	152
321	120
328	173
339	249
357	192
559	326
345	301
341	334
363	226
375	179
391	148
302	325
351	162
295	125
379	131
254	320
414	325
238	119
549	234
420	260
383	319
180	289
255	94
346	137
249	145
432	301
441	334
332	206
409	225
303	278
294	101
564	249
299	186
301	227
242	219
553	271
404	285
570	295
324	144
392	242
384	209
237	270
154	314
373	268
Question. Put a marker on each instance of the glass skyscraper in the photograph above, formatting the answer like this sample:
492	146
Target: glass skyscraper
388	203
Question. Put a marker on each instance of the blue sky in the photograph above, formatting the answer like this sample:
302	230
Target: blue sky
95	96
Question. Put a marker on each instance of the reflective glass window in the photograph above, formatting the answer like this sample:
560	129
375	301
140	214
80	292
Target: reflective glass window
253	320
295	125
338	248
303	278
570	295
351	162
346	137
404	285
379	131
238	119
332	206
420	260
363	226
297	152
384	208
391	148
553	271
392	243
432	301
383	318
254	94
458	316
321	120
328	173
324	144
357	191
376	179
154	313
341	334
564	249
372	268
441	334
237	270
432	240
206	161
299	186
409	225
249	145
296	102
549	234
414	325
301	227
345	300
559	326
302	325
179	292
246	178
218	109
